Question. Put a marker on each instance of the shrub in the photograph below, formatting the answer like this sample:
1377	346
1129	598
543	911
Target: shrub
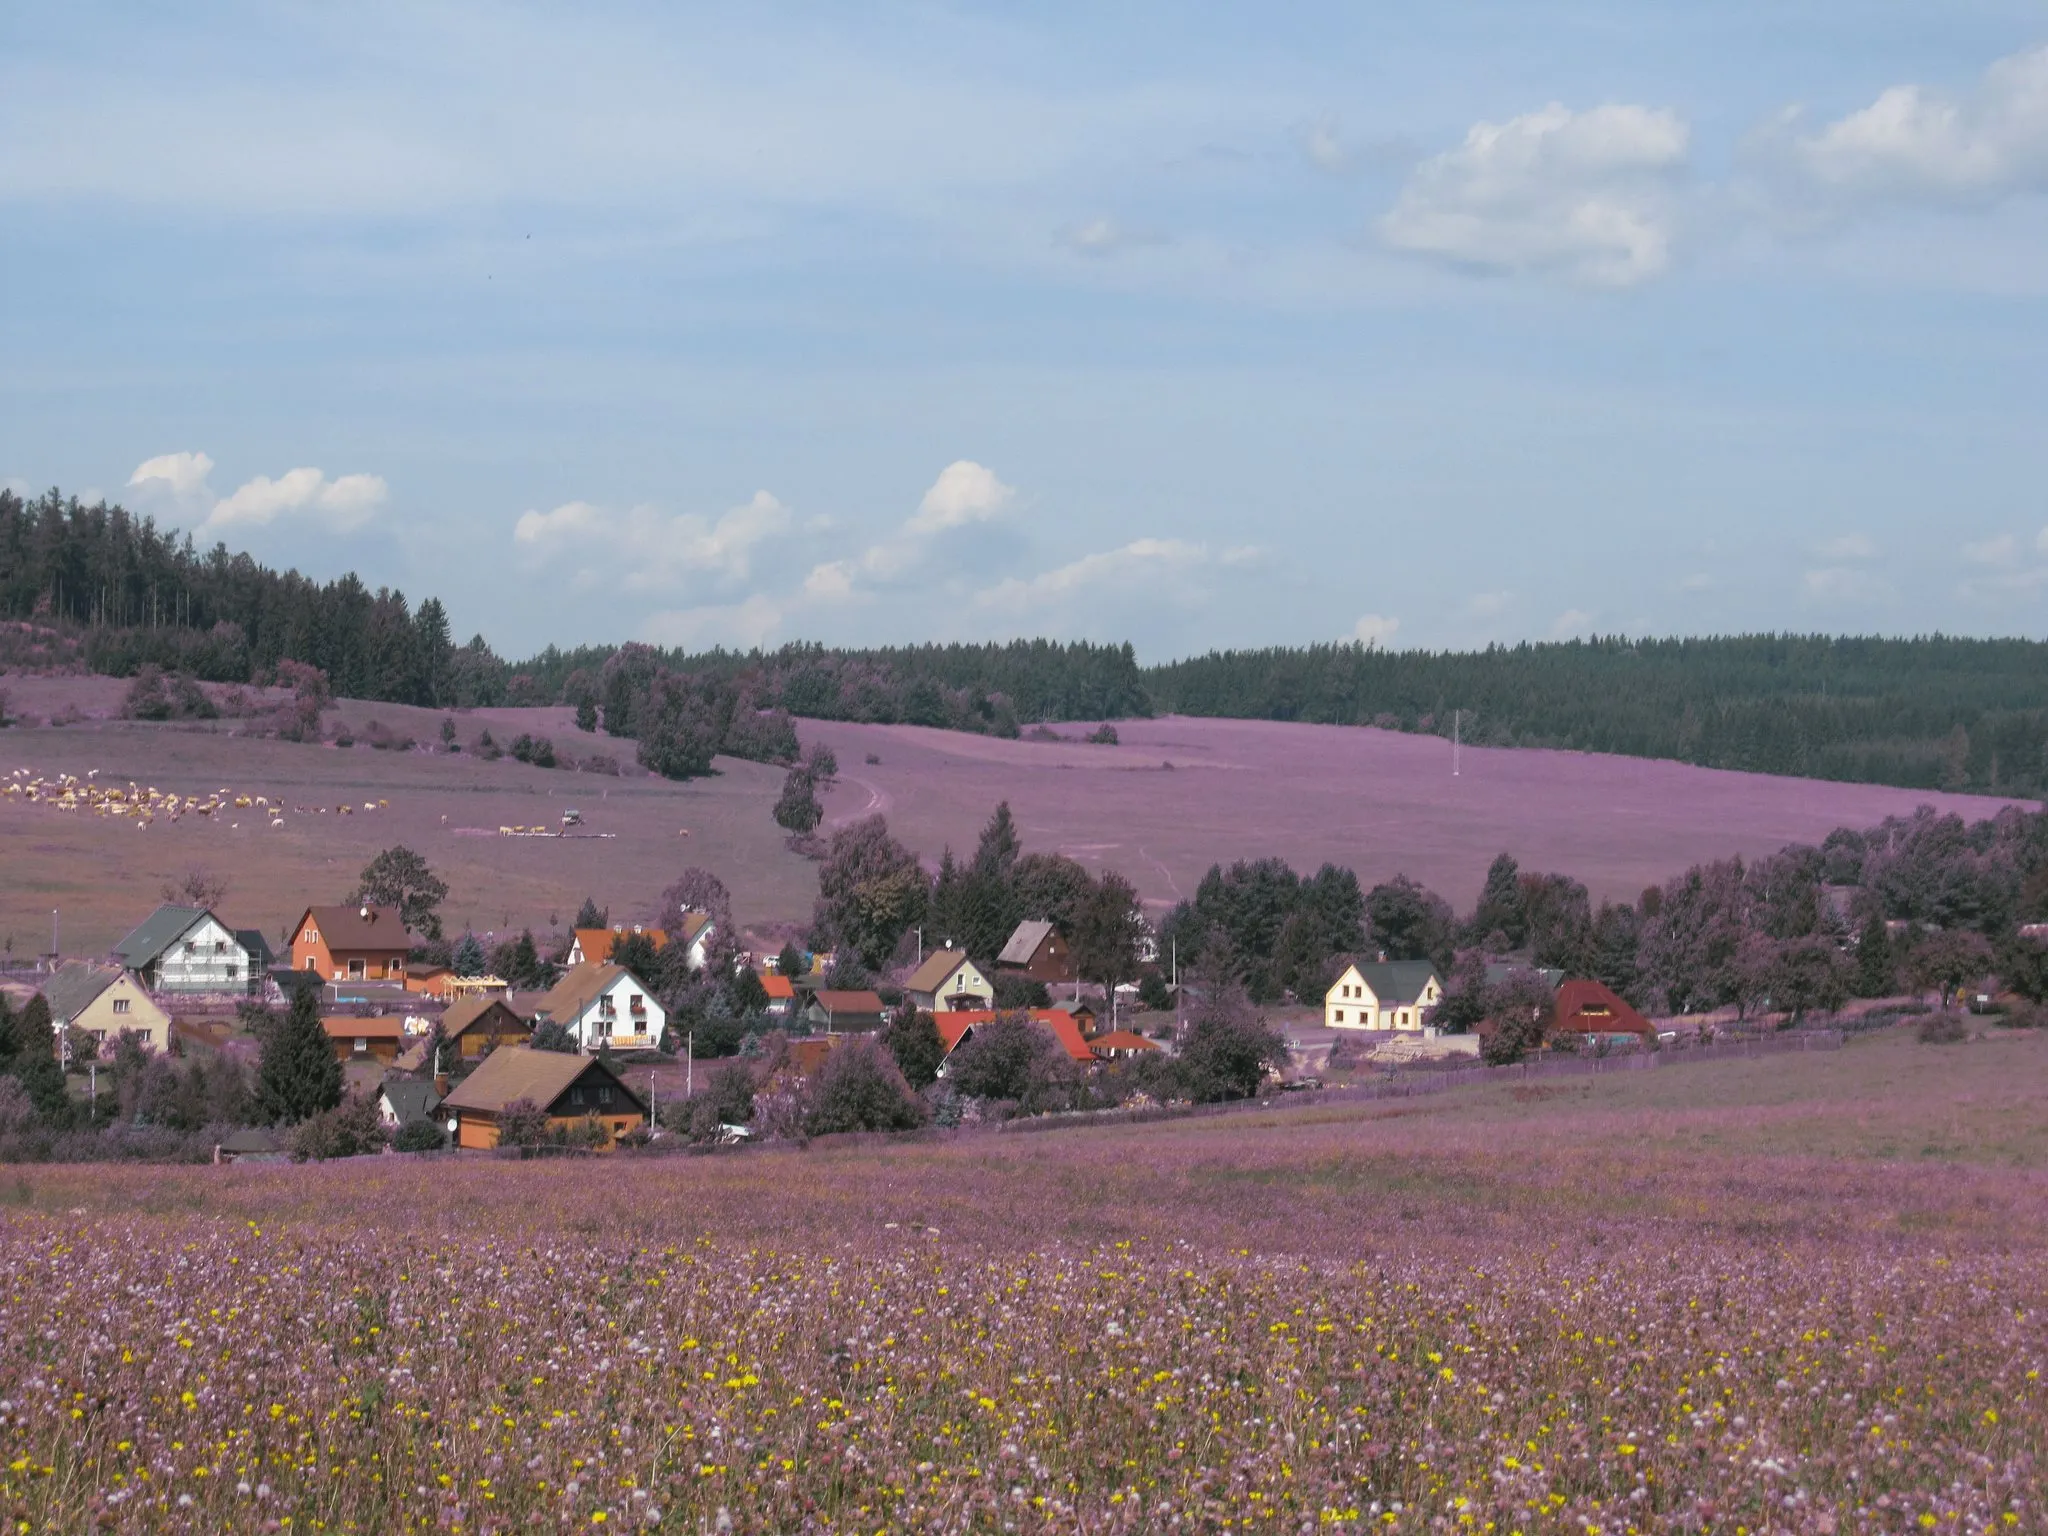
1225	1056
522	1123
552	1035
350	1129
599	762
1103	736
859	1089
486	748
1943	1028
537	750
1003	1059
913	1042
420	1136
1013	991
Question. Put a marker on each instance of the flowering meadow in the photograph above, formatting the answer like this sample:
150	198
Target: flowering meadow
1512	1314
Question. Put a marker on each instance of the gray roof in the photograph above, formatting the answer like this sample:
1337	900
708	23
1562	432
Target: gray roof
253	1140
410	1098
77	982
1024	943
159	931
1397	981
257	946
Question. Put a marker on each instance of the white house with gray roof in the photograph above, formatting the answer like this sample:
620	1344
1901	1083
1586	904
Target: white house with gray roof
188	949
1389	994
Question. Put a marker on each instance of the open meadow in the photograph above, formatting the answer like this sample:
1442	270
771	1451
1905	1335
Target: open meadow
1799	1294
1378	801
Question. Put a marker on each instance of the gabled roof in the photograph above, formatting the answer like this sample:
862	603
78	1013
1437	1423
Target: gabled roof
74	987
596	943
253	1140
256	946
777	986
954	1024
693	924
411	1098
1591	1008
466	1011
937	969
583	986
850	1002
357	928
1395	982
384	1027
159	931
1123	1040
519	1072
1024	943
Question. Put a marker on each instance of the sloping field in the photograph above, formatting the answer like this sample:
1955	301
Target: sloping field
1354	1318
1379	801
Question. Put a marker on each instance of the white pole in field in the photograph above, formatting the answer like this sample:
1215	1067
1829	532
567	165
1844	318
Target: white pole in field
1457	744
690	1065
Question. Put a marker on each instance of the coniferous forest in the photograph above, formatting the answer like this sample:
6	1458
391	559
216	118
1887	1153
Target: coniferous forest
1933	712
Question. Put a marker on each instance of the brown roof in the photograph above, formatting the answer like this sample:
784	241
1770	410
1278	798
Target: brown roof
597	943
693	924
1591	1008
386	1027
938	966
348	928
851	1002
1123	1040
466	1011
579	989
518	1072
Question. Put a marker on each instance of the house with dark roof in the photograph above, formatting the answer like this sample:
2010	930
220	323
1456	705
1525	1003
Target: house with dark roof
187	949
1037	950
1587	1007
362	943
1385	994
402	1100
842	1012
473	1027
103	1000
570	1090
604	1004
948	980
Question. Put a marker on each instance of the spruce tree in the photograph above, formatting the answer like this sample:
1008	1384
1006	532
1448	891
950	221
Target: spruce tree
298	1076
10	1035
1502	907
1877	968
35	1064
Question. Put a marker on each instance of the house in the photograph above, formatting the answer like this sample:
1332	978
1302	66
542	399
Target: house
188	949
845	1012
351	943
103	1000
403	1100
1038	951
781	994
957	1027
595	944
695	933
604	1004
1388	994
948	982
1591	1008
475	1026
255	1145
374	1039
1121	1044
570	1090
1084	1015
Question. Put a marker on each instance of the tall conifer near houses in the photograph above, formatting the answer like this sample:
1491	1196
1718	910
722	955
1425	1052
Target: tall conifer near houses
35	1064
299	1076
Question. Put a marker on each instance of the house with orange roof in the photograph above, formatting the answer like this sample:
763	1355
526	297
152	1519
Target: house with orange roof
957	1027
781	994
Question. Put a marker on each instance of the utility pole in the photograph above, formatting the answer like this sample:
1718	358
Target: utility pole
920	946
690	1065
1457	731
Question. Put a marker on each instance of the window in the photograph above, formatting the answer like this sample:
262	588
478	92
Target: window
604	1095
312	935
575	1095
1340	1016
362	1046
220	946
120	1005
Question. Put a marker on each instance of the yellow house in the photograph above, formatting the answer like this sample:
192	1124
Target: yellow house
103	1000
1392	994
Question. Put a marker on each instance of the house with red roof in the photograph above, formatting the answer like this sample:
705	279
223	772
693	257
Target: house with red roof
957	1027
1587	1007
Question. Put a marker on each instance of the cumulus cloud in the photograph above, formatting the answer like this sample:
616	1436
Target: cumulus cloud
1139	560
652	550
182	474
965	495
746	624
1374	629
1105	237
345	502
1587	195
1846	548
1573	621
2001	549
1487	605
1915	143
965	492
1698	581
1834	584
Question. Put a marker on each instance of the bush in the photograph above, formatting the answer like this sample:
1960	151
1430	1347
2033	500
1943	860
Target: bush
419	1136
522	1123
913	1042
859	1089
1005	1058
157	695
536	750
486	748
1154	993
1226	1057
554	1036
350	1129
1943	1028
1014	991
1103	736
599	762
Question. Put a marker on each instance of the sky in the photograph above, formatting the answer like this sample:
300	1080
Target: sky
1198	326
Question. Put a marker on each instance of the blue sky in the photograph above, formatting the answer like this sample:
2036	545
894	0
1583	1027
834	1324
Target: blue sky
1199	327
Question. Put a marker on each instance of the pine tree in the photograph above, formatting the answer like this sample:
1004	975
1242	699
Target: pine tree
35	1064
298	1076
1502	907
10	1035
1877	968
469	958
998	850
591	915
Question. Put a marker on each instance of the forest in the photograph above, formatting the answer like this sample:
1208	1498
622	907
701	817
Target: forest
1933	712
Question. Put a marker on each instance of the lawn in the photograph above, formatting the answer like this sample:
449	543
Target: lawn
1720	1298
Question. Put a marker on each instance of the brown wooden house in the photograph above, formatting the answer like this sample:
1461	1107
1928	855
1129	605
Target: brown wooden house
1038	951
473	1027
571	1090
376	1039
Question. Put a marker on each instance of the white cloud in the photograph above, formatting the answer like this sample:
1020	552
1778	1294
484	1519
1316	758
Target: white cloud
1915	143
1324	147
652	550
1487	605
1105	237
2001	549
965	492
343	503
1846	548
746	624
1573	621
1373	629
2041	541
1844	584
1139	560
182	474
1584	195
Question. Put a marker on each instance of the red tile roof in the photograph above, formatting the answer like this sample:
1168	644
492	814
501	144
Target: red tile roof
1590	1008
953	1024
777	986
1123	1040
